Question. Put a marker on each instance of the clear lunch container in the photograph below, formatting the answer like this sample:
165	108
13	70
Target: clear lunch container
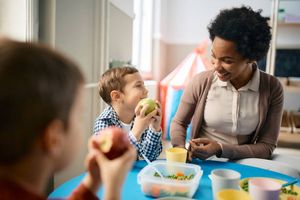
154	186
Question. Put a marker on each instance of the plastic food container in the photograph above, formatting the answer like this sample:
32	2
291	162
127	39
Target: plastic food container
161	187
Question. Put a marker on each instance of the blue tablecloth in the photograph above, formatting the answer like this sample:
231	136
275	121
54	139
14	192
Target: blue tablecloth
131	190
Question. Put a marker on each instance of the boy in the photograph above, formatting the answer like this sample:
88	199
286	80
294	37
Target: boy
41	103
122	88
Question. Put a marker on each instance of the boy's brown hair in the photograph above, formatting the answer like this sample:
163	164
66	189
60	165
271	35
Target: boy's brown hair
113	79
37	86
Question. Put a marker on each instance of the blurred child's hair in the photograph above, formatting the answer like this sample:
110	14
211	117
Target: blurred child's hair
113	79
37	86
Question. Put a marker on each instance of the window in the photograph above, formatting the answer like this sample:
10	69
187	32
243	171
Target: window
19	19
142	35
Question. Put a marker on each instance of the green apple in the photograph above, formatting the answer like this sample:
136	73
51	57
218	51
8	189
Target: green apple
151	105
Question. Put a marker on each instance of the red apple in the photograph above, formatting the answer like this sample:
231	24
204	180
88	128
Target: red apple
151	105
113	142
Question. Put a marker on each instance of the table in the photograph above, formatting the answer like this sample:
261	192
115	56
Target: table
131	190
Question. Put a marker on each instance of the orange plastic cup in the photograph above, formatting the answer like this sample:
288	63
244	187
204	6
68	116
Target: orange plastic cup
176	154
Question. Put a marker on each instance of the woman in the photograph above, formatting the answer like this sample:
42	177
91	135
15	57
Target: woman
235	109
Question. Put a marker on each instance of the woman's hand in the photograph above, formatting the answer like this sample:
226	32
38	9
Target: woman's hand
204	148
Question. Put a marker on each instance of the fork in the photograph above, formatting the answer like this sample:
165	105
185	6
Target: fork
153	167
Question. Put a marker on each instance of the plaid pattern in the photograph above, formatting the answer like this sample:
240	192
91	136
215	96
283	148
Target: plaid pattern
149	144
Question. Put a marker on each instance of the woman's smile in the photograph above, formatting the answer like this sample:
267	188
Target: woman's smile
223	75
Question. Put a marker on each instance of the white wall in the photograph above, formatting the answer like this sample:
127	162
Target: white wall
120	34
291	98
13	19
126	6
74	31
185	21
292	7
288	36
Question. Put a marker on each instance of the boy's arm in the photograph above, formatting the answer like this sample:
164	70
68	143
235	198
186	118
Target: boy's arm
150	143
101	124
82	193
90	184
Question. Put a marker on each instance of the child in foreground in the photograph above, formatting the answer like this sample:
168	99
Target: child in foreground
122	88
41	103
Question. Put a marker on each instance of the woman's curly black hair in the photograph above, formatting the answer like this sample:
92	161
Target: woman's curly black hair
246	28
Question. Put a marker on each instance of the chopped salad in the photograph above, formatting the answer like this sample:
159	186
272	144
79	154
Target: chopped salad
177	176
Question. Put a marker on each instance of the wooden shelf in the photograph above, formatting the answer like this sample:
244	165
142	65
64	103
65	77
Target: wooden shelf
290	88
288	46
296	24
289	140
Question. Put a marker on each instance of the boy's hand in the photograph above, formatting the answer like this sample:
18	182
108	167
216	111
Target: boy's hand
156	122
110	172
93	178
142	121
114	172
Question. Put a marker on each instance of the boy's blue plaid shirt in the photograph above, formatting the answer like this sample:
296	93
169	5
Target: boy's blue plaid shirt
149	144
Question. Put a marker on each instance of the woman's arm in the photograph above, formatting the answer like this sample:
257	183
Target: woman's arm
184	114
266	140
